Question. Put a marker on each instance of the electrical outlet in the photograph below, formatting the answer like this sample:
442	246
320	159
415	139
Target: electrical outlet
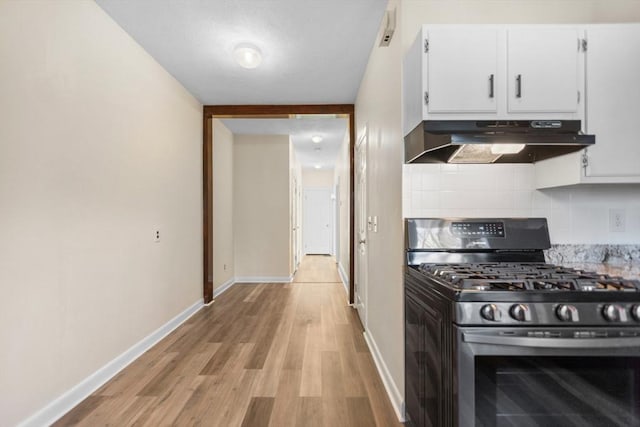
156	236
617	220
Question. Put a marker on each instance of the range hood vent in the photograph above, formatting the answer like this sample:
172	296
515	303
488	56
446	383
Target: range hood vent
471	141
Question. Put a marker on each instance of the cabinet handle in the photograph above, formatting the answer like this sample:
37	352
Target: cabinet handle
519	86
490	85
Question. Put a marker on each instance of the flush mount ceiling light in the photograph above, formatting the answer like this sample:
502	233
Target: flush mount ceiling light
316	139
318	166
247	55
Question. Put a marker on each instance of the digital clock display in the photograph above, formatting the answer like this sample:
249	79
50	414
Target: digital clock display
477	229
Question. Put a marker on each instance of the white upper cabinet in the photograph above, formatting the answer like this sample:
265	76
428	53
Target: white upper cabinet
613	103
543	69
612	113
494	72
461	70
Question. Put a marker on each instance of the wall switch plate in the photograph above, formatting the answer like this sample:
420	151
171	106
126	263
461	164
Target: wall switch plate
156	236
617	220
375	224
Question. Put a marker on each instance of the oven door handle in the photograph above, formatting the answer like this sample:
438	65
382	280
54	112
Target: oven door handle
534	342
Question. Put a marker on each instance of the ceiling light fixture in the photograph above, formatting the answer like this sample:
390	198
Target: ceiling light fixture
247	55
316	139
318	166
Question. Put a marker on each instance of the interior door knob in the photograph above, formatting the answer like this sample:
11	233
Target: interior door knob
363	241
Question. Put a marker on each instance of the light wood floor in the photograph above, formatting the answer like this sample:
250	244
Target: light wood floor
260	355
317	269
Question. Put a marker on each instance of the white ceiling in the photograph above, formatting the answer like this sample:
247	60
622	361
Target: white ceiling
314	51
301	130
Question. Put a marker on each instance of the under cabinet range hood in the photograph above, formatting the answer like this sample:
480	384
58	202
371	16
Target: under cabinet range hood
513	141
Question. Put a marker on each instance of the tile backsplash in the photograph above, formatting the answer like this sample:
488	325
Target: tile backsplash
577	214
467	190
581	214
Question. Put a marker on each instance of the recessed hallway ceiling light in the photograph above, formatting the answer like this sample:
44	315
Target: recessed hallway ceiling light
318	166
316	139
247	55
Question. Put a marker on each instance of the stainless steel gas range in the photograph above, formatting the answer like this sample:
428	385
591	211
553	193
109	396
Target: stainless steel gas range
494	336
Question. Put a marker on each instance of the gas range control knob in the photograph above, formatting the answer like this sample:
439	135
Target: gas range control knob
491	312
567	313
520	312
635	312
615	313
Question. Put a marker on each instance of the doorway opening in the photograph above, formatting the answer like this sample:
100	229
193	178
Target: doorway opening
210	113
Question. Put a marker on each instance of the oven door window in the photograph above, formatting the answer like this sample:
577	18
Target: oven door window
557	391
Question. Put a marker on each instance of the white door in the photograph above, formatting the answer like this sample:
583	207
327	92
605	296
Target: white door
317	227
462	70
543	70
295	227
360	282
336	221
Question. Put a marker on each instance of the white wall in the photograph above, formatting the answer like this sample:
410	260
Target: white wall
261	206
223	253
378	109
317	178
99	146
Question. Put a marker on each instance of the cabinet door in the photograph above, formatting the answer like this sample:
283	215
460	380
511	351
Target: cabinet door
414	361
462	70
543	70
613	101
424	370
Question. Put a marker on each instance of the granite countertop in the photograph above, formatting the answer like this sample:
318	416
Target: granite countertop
614	260
625	270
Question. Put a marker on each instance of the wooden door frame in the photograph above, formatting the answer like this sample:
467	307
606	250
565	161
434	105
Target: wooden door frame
265	111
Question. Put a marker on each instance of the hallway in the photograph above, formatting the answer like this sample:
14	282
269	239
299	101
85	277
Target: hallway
261	355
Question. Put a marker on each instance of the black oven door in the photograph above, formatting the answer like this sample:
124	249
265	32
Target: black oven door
556	377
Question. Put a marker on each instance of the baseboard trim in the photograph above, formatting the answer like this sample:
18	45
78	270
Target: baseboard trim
226	285
393	392
343	277
68	400
264	279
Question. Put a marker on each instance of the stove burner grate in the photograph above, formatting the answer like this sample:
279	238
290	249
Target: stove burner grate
525	277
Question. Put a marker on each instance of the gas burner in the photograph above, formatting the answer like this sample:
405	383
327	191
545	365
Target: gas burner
510	276
492	285
553	284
